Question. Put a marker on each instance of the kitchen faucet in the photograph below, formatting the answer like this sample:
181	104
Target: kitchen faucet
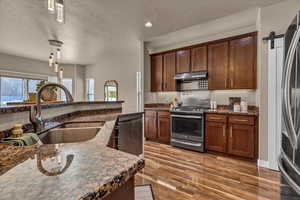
35	110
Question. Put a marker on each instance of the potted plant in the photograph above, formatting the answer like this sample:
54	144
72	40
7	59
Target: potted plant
49	93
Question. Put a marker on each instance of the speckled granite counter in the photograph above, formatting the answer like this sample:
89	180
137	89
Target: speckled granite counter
230	112
22	108
86	170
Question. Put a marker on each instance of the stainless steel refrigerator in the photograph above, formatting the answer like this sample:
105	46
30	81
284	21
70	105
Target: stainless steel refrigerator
289	160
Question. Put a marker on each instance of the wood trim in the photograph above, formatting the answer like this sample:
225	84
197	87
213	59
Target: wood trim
210	42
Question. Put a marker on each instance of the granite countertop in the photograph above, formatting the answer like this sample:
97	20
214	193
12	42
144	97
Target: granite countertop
158	109
22	108
231	112
88	170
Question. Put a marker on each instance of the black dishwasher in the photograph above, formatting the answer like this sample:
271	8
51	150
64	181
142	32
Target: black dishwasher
130	133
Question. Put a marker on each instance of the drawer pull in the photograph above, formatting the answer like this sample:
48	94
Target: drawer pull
241	120
224	131
231	132
214	118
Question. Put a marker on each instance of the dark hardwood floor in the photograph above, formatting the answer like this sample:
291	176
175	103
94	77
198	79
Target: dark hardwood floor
178	174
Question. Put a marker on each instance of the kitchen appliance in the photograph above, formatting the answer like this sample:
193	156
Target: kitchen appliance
187	126
192	81
289	160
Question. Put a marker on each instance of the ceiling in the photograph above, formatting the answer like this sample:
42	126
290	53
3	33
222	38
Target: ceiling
96	27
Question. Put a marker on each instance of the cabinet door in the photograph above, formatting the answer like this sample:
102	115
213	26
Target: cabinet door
164	131
215	136
243	63
150	125
156	73
241	140
183	61
169	72
218	66
199	58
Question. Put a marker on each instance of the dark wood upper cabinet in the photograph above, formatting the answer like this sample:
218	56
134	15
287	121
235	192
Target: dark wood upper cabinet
199	59
169	68
183	61
156	73
218	66
242	63
164	131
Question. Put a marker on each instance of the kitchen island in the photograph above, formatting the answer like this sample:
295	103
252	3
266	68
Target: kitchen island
85	170
88	170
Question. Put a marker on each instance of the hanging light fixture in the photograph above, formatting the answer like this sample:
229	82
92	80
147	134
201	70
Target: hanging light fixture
54	59
51	6
61	74
60	11
58	54
51	60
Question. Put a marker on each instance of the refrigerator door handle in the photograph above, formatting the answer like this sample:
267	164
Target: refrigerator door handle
286	107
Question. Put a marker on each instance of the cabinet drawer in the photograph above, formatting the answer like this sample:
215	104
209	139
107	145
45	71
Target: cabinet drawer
150	113
238	119
216	118
163	114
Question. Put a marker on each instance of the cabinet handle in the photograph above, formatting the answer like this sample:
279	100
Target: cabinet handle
226	83
224	131
231	83
214	118
231	132
241	120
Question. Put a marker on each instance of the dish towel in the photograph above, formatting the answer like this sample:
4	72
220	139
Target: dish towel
26	140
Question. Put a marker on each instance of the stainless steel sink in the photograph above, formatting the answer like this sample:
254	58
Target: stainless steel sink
71	132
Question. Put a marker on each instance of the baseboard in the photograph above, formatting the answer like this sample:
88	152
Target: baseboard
263	163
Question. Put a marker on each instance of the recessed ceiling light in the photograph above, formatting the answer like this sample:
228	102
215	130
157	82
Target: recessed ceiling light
148	25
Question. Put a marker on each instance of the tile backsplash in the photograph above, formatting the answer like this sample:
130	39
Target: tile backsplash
220	96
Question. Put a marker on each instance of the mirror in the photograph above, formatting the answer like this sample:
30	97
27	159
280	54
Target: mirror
111	90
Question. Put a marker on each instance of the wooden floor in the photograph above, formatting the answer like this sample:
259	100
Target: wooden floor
178	174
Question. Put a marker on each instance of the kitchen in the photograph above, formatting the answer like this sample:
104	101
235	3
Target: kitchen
148	100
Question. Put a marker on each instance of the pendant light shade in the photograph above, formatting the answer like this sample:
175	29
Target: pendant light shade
56	66
51	60
60	11
61	74
51	6
58	54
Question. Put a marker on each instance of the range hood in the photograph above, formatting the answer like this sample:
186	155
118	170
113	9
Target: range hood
191	76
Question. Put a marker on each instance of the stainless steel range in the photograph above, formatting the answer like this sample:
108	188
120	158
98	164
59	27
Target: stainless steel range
187	127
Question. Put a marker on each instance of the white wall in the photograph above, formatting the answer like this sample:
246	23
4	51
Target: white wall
31	66
120	65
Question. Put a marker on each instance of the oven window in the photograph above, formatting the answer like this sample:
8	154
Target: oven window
187	126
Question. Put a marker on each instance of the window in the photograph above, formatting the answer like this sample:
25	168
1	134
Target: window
16	89
68	83
111	90
90	90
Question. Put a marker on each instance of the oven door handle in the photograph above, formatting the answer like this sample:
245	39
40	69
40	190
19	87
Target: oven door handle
187	143
187	116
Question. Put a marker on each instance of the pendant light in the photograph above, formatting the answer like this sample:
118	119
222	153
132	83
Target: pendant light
58	54
60	11
51	6
61	74
56	66
51	60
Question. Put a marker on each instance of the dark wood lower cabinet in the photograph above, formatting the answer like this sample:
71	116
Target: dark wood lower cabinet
164	131
215	138
233	134
125	192
241	140
150	125
157	126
